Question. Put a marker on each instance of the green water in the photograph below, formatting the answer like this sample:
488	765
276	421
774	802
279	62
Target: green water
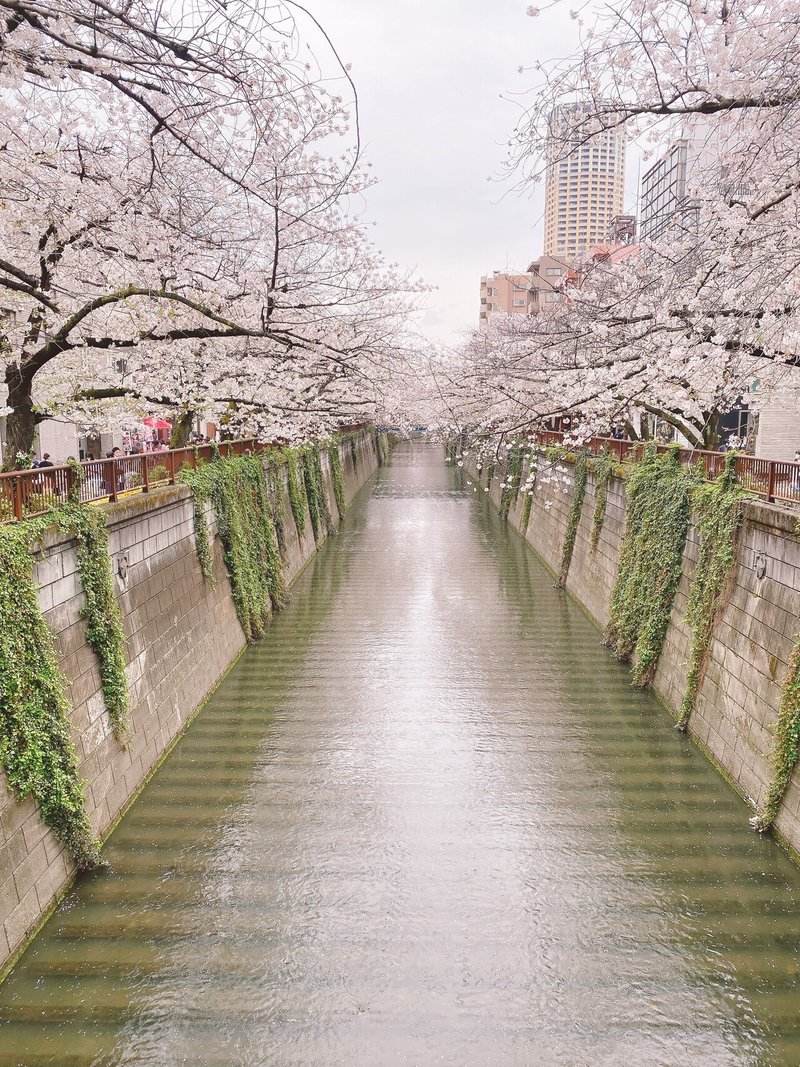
425	821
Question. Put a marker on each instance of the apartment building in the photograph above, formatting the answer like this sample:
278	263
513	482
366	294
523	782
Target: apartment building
524	293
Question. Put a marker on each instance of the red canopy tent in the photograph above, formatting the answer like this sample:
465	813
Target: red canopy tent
161	427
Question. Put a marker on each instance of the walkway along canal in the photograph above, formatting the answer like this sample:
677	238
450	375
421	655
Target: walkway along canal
425	820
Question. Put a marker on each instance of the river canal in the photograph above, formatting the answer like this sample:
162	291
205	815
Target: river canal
426	820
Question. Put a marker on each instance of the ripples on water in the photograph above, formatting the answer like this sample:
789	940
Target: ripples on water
425	821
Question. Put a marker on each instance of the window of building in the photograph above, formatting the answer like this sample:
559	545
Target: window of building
519	302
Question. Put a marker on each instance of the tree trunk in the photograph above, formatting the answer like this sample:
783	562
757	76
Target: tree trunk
21	423
181	428
711	430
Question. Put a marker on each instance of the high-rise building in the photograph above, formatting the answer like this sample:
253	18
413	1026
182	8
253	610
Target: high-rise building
584	189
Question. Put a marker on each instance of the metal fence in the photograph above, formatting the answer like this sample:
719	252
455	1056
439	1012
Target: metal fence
773	479
24	494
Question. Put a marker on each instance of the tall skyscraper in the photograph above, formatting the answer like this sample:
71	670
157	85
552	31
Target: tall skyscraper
584	190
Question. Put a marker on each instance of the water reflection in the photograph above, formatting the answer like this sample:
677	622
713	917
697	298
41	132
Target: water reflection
426	820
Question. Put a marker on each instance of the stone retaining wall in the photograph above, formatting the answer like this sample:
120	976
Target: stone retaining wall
748	658
182	636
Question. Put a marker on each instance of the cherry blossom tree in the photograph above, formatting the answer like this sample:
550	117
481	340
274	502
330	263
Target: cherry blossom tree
180	223
688	327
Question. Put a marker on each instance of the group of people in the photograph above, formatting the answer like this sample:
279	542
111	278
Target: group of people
45	461
136	447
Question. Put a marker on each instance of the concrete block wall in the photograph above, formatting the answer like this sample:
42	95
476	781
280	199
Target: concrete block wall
182	635
740	692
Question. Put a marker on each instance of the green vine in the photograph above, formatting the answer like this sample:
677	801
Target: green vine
554	453
382	448
201	538
451	450
785	745
76	481
237	490
718	512
36	748
603	467
490	475
275	493
510	490
574	518
650	560
325	511
313	490
354	452
527	502
337	474
297	498
104	632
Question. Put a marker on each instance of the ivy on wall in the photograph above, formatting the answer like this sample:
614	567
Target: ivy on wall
382	448
603	466
325	511
36	748
525	518
650	560
104	631
237	490
201	494
510	490
337	474
785	745
574	518
527	502
297	495
718	513
315	490
275	493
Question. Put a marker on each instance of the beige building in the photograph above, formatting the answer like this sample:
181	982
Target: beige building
583	192
522	294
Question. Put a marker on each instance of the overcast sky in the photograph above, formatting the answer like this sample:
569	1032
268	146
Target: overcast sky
430	74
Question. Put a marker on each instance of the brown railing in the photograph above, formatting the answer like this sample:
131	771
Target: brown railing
33	492
773	479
